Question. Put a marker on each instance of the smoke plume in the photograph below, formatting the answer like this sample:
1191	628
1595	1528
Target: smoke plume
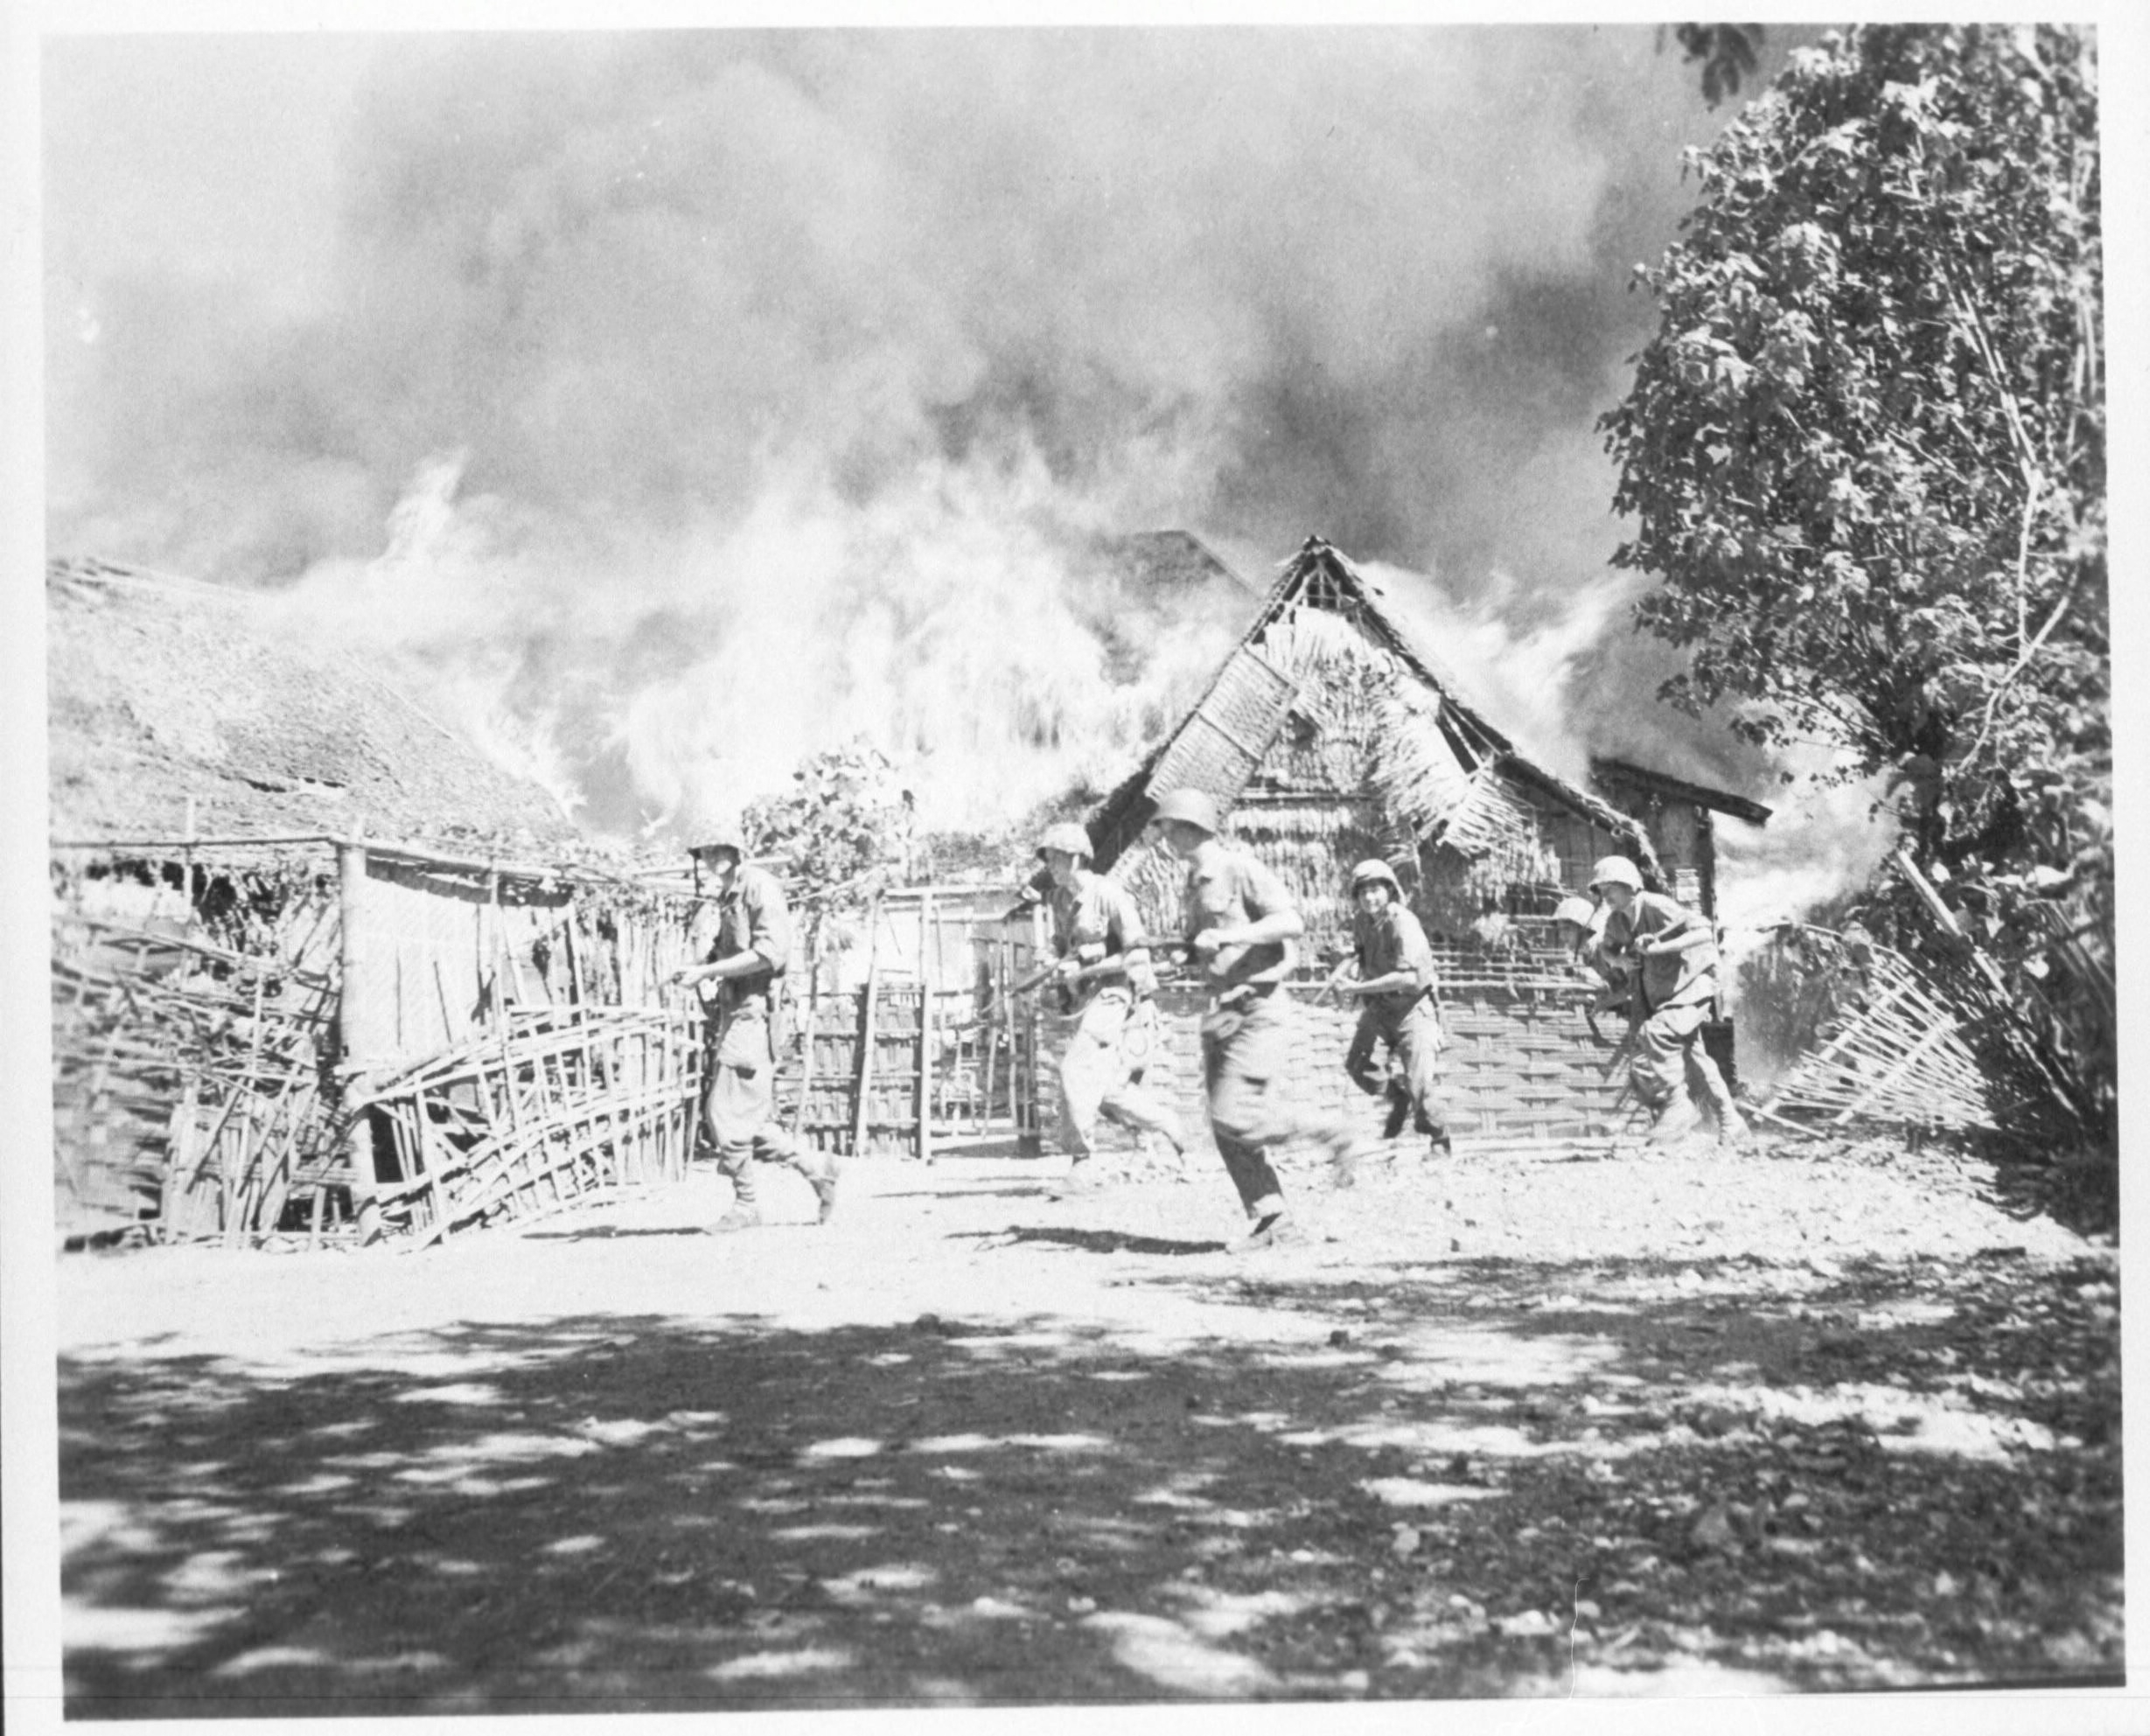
684	402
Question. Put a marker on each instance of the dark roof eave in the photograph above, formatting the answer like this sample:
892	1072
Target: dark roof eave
1719	801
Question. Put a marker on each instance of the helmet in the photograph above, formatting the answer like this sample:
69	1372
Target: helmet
1616	871
1069	839
723	835
1578	910
1374	869
1190	807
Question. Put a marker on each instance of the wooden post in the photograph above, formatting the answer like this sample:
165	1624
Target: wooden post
866	1029
356	1018
503	962
927	976
805	1046
990	1036
187	872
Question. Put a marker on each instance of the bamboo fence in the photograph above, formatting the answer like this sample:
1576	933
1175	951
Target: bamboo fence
189	1079
1887	1045
554	1107
227	1013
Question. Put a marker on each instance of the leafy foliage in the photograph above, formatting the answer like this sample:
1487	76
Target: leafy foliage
1727	53
843	827
1865	455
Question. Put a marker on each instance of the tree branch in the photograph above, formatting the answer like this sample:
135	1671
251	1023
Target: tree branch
2022	663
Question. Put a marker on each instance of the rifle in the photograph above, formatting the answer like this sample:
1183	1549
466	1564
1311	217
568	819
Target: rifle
1015	991
1038	979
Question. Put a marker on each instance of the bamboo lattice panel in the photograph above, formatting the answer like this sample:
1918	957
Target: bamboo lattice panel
1897	1053
550	1108
187	1081
1219	747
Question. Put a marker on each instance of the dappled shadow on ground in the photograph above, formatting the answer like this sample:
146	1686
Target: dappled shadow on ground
1477	1478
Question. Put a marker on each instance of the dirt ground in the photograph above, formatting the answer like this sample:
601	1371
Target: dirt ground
1812	1417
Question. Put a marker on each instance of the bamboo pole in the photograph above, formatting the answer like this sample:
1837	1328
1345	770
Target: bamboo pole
423	1156
806	1047
927	976
356	1020
866	1068
991	1035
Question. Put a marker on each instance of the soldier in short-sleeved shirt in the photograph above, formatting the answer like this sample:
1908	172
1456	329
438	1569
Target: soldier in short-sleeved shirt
1106	982
747	949
1668	956
1243	927
1396	986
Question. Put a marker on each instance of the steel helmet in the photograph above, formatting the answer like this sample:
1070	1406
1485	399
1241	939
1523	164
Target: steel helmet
1190	807
1576	909
723	835
1374	869
1069	839
1616	871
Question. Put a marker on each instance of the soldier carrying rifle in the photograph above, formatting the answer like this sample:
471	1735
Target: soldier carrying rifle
1242	927
1103	976
740	984
1659	962
1392	975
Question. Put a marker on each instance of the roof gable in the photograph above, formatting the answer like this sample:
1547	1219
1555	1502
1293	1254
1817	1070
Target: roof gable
1318	578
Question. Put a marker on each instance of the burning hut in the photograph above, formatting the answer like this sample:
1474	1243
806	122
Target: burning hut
1330	735
318	965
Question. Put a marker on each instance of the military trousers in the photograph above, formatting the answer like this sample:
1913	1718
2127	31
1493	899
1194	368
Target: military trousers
1665	1046
1101	1074
1413	1039
1246	1049
740	1110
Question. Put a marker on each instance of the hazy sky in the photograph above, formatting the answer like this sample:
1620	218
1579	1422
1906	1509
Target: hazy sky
683	401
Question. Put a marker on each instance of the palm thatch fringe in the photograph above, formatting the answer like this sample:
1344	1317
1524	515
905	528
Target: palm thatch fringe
1415	770
1496	825
1158	880
1304	820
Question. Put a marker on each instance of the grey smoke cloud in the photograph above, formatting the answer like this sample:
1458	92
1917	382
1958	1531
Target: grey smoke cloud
744	387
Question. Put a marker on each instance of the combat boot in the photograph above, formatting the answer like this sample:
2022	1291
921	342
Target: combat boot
1270	1227
1674	1120
1399	1110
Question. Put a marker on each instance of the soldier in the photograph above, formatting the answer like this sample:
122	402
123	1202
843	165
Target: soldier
1397	989
1241	927
745	963
1660	959
1105	976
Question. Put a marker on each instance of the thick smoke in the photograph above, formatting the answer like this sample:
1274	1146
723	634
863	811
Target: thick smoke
687	401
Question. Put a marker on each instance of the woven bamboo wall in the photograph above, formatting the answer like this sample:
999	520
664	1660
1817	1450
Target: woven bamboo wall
203	1046
1520	1064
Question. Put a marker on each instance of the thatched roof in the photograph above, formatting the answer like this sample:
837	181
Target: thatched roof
1319	575
162	690
1176	562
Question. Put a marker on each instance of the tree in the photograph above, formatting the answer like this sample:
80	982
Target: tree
1727	53
1864	454
843	830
